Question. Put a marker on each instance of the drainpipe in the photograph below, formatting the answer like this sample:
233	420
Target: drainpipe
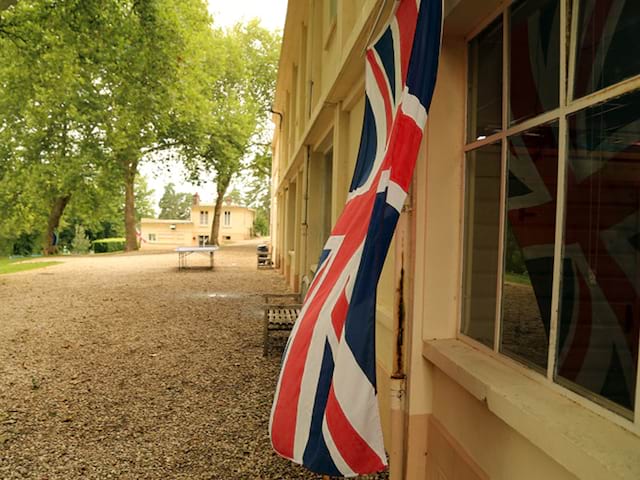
398	384
280	115
305	217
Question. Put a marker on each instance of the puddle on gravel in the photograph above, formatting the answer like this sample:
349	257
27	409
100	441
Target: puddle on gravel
220	295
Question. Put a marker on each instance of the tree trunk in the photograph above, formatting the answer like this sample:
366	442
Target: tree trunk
215	226
130	206
57	209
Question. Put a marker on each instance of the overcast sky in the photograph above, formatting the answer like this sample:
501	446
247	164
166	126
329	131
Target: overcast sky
272	14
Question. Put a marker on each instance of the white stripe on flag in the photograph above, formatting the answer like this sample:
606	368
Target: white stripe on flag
357	398
396	196
412	107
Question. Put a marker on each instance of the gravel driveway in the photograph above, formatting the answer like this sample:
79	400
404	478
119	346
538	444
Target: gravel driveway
120	366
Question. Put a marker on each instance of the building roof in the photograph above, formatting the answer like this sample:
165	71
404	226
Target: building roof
212	205
163	220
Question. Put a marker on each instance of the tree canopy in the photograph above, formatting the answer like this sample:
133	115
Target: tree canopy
240	98
90	88
174	205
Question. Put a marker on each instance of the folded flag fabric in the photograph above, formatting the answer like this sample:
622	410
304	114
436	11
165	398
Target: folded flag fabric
325	412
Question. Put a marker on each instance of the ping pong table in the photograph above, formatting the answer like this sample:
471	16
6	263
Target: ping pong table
184	252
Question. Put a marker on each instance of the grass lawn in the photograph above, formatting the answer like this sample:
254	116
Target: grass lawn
12	265
517	278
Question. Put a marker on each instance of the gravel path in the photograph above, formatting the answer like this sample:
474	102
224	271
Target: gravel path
122	367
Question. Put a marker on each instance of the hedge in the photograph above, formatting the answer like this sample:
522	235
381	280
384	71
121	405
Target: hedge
106	245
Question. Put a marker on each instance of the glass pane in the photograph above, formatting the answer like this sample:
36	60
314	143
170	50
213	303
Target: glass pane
485	82
600	316
530	232
482	238
608	41
534	58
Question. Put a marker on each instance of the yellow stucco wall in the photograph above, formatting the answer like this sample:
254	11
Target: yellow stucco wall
173	233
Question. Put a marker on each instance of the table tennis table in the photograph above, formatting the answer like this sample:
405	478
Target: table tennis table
184	252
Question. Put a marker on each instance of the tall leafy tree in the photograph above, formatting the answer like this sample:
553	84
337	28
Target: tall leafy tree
87	88
240	97
47	109
174	205
148	78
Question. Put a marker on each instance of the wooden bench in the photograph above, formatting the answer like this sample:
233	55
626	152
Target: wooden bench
280	314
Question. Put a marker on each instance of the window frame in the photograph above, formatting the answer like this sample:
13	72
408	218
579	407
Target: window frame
567	106
226	223
204	214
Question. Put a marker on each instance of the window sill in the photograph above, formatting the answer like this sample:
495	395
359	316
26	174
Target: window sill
586	444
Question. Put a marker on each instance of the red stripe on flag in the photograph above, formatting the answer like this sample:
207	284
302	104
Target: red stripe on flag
352	447
381	80
339	314
406	16
403	149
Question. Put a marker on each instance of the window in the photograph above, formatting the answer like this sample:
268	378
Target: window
204	217
552	224
152	237
203	240
227	218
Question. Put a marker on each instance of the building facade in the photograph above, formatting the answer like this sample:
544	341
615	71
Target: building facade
236	223
508	312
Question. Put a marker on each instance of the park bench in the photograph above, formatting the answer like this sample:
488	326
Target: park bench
280	313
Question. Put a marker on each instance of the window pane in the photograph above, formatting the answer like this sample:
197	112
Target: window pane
531	226
485	82
600	316
608	40
534	58
482	238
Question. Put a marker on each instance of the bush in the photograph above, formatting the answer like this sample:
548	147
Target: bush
81	243
260	224
107	245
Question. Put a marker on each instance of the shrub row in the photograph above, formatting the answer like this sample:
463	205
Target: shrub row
106	245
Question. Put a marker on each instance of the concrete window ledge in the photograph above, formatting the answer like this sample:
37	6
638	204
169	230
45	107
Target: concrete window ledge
586	444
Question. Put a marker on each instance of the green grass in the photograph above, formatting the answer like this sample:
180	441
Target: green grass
517	278
13	265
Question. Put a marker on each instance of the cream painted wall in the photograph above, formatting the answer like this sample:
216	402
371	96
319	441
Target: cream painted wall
187	233
498	449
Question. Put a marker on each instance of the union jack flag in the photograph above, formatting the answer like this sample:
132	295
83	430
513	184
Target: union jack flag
325	412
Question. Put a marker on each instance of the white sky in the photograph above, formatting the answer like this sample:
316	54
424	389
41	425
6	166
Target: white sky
271	14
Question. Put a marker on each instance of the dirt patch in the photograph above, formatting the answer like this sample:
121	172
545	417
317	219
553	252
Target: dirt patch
124	367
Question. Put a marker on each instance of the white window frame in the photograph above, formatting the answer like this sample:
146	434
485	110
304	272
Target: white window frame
567	106
226	218
204	214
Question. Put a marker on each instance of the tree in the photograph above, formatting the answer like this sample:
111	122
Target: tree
174	205
87	89
148	82
46	111
241	95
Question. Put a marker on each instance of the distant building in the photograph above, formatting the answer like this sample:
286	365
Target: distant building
236	223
